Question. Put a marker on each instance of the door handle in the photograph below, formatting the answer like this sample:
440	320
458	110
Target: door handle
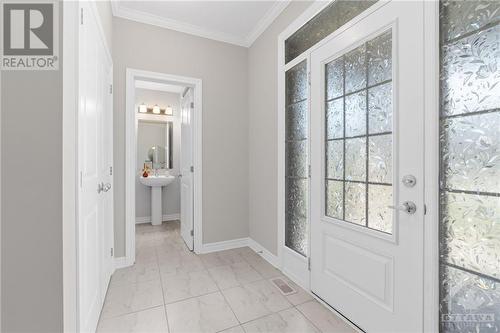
103	187
407	206
106	187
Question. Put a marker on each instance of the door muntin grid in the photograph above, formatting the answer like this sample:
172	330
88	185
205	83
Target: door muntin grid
358	135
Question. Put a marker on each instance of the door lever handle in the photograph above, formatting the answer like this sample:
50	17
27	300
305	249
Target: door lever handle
407	206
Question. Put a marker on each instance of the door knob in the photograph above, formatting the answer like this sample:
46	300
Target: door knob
407	206
106	187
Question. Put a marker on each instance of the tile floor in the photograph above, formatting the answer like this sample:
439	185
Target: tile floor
170	289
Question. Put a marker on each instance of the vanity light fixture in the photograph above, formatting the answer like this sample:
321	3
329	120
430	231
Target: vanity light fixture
156	109
169	111
143	108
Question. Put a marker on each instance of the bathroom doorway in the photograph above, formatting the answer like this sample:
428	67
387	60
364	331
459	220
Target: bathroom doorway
163	157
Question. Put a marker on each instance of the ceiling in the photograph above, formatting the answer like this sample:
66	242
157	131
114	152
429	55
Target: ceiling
159	86
235	22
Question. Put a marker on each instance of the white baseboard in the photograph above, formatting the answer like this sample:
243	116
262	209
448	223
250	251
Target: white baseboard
166	217
122	262
224	245
268	256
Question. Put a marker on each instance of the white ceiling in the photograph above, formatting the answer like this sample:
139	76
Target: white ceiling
236	22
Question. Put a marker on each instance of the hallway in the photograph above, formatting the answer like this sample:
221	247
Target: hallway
170	289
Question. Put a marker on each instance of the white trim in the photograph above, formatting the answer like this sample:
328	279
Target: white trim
431	156
70	166
266	21
162	22
164	218
264	253
130	154
224	245
122	262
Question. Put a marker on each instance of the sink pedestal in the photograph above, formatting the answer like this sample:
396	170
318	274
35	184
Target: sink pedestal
156	210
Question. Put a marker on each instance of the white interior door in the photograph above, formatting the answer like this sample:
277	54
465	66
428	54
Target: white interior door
186	174
366	137
95	153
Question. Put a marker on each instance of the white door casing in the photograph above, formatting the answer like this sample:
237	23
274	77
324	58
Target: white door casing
375	279
95	229
186	164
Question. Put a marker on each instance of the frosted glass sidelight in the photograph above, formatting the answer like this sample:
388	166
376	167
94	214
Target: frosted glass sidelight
324	23
358	147
296	83
297	157
470	166
470	148
296	121
471	228
470	74
296	230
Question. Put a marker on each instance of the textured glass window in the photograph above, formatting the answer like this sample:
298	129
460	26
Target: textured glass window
358	147
470	166
296	168
331	18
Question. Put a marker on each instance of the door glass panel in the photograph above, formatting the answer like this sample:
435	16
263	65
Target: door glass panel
296	168
331	18
359	126
470	166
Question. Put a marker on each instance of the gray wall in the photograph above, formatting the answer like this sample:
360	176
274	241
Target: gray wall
223	69
148	135
31	194
262	117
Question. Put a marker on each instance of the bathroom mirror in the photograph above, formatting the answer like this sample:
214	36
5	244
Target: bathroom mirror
160	155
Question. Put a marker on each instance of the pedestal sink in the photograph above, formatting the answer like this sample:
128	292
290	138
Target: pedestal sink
156	183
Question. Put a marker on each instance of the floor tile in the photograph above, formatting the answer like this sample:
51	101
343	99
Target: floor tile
287	321
221	258
147	321
255	300
180	263
236	329
323	318
234	275
125	298
263	267
137	273
204	314
179	286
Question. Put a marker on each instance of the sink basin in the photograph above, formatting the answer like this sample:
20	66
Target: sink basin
156	183
153	181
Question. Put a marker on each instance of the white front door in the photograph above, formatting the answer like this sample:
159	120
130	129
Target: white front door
187	108
95	159
366	138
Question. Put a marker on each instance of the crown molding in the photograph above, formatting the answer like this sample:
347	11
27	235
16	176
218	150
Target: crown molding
266	21
147	18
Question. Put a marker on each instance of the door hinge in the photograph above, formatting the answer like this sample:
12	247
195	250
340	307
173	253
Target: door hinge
112	252
192	105
111	171
111	89
81	16
192	168
309	78
192	232
309	170
425	209
309	263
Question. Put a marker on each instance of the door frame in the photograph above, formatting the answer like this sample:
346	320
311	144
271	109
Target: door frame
295	266
70	160
130	156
